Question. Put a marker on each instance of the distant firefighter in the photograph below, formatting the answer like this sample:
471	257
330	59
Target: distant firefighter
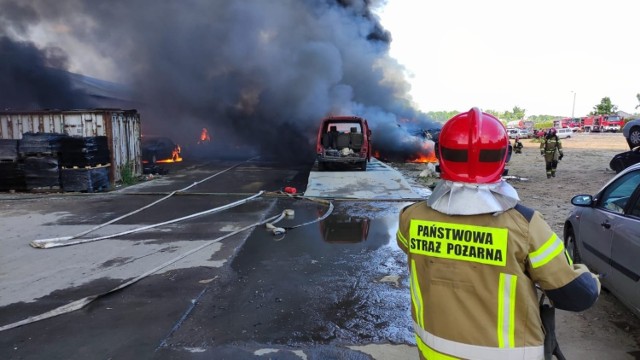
551	149
517	145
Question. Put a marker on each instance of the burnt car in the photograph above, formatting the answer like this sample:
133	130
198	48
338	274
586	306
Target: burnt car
343	141
623	160
158	149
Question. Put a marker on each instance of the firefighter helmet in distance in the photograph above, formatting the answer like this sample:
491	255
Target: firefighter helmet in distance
473	148
551	132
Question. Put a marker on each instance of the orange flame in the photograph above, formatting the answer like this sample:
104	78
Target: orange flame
425	155
175	156
204	136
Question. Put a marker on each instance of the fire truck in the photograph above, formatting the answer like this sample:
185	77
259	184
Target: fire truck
592	123
612	123
567	123
602	123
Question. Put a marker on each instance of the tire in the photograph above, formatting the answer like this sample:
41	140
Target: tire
617	165
363	166
634	137
571	245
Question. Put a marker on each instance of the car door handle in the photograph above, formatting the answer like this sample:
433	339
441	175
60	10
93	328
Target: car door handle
606	225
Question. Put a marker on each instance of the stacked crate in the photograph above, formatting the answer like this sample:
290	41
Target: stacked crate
39	154
54	162
84	163
11	174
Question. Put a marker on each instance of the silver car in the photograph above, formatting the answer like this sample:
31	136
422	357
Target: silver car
603	232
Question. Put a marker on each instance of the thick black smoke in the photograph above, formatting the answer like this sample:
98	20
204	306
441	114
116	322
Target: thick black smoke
30	79
253	72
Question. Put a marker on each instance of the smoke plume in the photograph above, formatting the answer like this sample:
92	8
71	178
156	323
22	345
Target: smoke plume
255	73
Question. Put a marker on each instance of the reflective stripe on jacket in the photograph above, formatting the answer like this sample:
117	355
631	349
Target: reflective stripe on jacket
473	281
552	148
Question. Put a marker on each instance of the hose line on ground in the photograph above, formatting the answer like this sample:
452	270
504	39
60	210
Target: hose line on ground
64	240
49	243
79	304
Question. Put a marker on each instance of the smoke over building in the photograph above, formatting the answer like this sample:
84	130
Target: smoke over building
253	72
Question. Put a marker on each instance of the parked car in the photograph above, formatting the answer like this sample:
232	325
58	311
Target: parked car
602	231
513	133
525	133
564	133
159	149
623	160
631	132
343	141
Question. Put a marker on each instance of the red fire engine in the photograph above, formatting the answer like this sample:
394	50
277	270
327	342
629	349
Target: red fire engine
592	123
598	123
612	123
567	123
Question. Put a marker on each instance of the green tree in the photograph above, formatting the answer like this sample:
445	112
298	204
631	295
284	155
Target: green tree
518	113
605	107
494	113
442	116
539	119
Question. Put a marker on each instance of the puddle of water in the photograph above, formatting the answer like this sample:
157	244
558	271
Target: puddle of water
342	280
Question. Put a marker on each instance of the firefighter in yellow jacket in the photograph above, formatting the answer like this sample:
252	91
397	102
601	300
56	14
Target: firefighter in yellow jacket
551	149
476	255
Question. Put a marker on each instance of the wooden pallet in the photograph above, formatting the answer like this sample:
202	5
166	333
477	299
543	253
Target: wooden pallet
46	189
87	167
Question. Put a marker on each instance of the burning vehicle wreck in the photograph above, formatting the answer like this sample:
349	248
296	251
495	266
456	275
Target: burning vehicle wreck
343	140
159	149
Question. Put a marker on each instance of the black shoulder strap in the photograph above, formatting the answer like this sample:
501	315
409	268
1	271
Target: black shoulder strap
524	211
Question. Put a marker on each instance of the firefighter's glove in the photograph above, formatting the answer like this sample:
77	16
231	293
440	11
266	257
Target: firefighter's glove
560	157
582	268
541	152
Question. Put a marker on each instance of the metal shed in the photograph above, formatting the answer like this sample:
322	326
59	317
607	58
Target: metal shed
121	127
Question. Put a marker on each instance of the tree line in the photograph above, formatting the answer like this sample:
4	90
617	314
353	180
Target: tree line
605	107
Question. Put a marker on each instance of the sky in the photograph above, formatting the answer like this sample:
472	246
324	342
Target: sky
547	57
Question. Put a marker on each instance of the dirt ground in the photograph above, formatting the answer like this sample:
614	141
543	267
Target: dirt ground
607	330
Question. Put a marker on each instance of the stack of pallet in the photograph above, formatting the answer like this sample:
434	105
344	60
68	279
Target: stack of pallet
11	174
39	154
53	162
84	164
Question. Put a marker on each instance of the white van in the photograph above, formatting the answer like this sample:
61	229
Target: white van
564	133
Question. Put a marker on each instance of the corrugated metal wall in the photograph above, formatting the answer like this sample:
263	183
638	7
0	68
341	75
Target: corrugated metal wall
122	128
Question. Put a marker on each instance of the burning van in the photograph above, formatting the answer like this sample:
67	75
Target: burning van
343	141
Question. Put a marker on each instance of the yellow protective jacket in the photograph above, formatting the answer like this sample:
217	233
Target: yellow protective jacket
473	281
551	148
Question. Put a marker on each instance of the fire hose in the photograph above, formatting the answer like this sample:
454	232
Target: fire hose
58	242
64	240
79	304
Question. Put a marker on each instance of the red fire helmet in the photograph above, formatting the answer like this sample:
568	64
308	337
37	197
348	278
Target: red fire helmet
473	148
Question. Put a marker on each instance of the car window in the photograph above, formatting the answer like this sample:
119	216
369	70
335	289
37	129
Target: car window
616	195
345	127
